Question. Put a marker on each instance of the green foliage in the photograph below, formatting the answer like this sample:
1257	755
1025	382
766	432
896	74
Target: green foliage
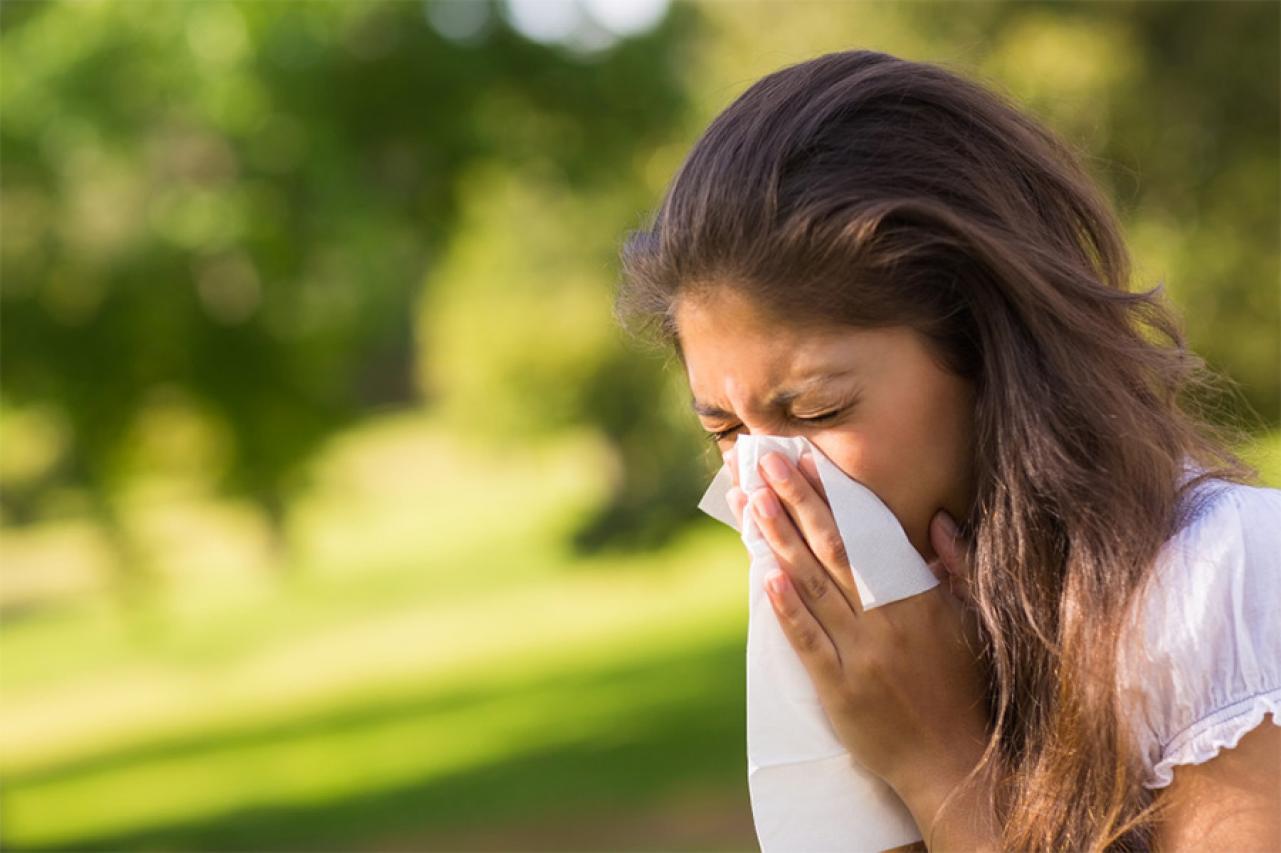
237	205
1183	119
275	218
518	344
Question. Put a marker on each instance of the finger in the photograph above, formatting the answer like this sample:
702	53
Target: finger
809	467
731	462
812	644
952	554
814	520
737	503
814	584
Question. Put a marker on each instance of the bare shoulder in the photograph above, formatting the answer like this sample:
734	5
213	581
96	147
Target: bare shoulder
1229	802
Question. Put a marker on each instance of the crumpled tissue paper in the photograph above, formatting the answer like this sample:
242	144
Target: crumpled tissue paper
807	792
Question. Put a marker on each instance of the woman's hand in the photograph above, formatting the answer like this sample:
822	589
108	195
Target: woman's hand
901	683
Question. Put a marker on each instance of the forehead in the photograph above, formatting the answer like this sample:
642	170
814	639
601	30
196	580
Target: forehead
732	347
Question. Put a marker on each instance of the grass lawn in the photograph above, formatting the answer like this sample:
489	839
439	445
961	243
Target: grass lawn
439	672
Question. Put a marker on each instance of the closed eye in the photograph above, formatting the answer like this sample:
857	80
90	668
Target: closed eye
716	437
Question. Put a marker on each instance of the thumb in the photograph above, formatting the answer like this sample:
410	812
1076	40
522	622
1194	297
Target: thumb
952	554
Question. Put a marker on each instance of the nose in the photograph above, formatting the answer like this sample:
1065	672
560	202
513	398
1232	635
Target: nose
754	420
759	427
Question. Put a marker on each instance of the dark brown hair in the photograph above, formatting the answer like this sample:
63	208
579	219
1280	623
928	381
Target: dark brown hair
863	189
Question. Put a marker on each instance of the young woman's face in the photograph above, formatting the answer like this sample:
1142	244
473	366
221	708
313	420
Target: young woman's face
872	400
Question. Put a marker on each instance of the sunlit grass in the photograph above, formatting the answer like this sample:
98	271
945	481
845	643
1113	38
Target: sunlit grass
469	640
385	743
401	513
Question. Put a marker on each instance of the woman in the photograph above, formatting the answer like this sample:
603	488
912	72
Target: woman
896	263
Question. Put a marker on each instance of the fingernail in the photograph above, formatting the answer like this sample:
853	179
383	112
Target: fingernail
764	502
775	467
776	582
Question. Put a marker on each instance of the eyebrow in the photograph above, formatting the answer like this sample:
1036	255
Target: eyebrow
779	398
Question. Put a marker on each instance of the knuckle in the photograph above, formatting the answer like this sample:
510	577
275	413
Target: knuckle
817	585
809	639
833	548
787	490
875	672
848	699
862	668
828	666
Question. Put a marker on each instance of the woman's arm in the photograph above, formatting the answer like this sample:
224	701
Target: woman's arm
1231	802
1227	803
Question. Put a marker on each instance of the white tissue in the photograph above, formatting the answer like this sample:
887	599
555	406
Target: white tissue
807	792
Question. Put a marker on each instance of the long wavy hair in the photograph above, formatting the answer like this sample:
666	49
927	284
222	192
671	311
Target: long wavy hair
864	189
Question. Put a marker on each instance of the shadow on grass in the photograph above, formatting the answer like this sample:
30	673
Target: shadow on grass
682	730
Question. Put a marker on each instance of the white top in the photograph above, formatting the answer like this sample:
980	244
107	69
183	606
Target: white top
1208	668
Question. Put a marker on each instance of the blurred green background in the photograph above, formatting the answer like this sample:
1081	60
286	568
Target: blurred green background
334	511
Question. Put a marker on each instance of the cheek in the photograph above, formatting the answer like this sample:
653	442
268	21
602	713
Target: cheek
912	456
876	455
932	455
